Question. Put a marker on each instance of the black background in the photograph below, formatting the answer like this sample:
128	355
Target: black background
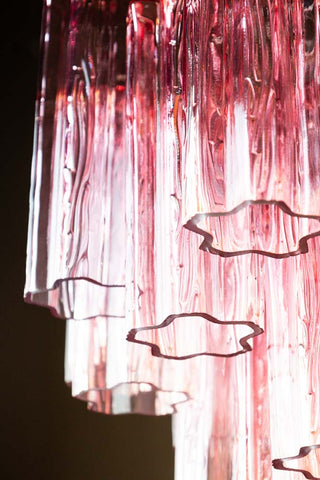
45	434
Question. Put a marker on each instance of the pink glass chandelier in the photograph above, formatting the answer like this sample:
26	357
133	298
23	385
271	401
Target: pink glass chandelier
175	221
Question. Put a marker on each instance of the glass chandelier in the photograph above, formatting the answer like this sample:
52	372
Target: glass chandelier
175	221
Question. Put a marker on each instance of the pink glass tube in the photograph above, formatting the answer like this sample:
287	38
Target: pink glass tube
191	430
245	121
167	275
263	405
123	159
225	431
163	276
169	279
142	131
77	203
115	376
111	374
292	318
153	263
101	364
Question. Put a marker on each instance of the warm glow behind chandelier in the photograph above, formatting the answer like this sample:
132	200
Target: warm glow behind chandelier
175	221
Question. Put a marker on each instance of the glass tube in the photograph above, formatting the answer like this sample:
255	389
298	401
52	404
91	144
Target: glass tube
263	406
77	201
199	113
246	124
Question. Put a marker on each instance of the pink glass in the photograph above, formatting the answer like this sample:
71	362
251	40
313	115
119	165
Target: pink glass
142	132
151	117
293	355
246	125
111	374
262	406
224	433
77	200
305	462
114	376
195	334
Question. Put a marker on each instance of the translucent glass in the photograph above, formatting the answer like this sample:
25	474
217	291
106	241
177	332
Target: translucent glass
155	116
245	121
292	315
262	407
99	359
191	451
201	284
167	274
225	431
186	335
115	376
307	462
77	200
142	131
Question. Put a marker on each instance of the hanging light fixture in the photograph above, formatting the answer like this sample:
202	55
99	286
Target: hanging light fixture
162	127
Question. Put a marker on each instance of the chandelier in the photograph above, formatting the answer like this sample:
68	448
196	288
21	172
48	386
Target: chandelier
175	221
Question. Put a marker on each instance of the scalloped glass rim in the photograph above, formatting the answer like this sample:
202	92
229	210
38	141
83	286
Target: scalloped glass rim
207	245
64	303
278	463
168	401
155	349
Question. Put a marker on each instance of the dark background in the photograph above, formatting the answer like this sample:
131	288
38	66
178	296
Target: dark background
45	434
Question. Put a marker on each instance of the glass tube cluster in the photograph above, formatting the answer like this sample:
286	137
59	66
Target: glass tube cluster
175	221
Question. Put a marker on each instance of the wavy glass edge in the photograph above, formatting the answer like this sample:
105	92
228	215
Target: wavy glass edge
156	351
58	298
278	463
159	407
207	246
